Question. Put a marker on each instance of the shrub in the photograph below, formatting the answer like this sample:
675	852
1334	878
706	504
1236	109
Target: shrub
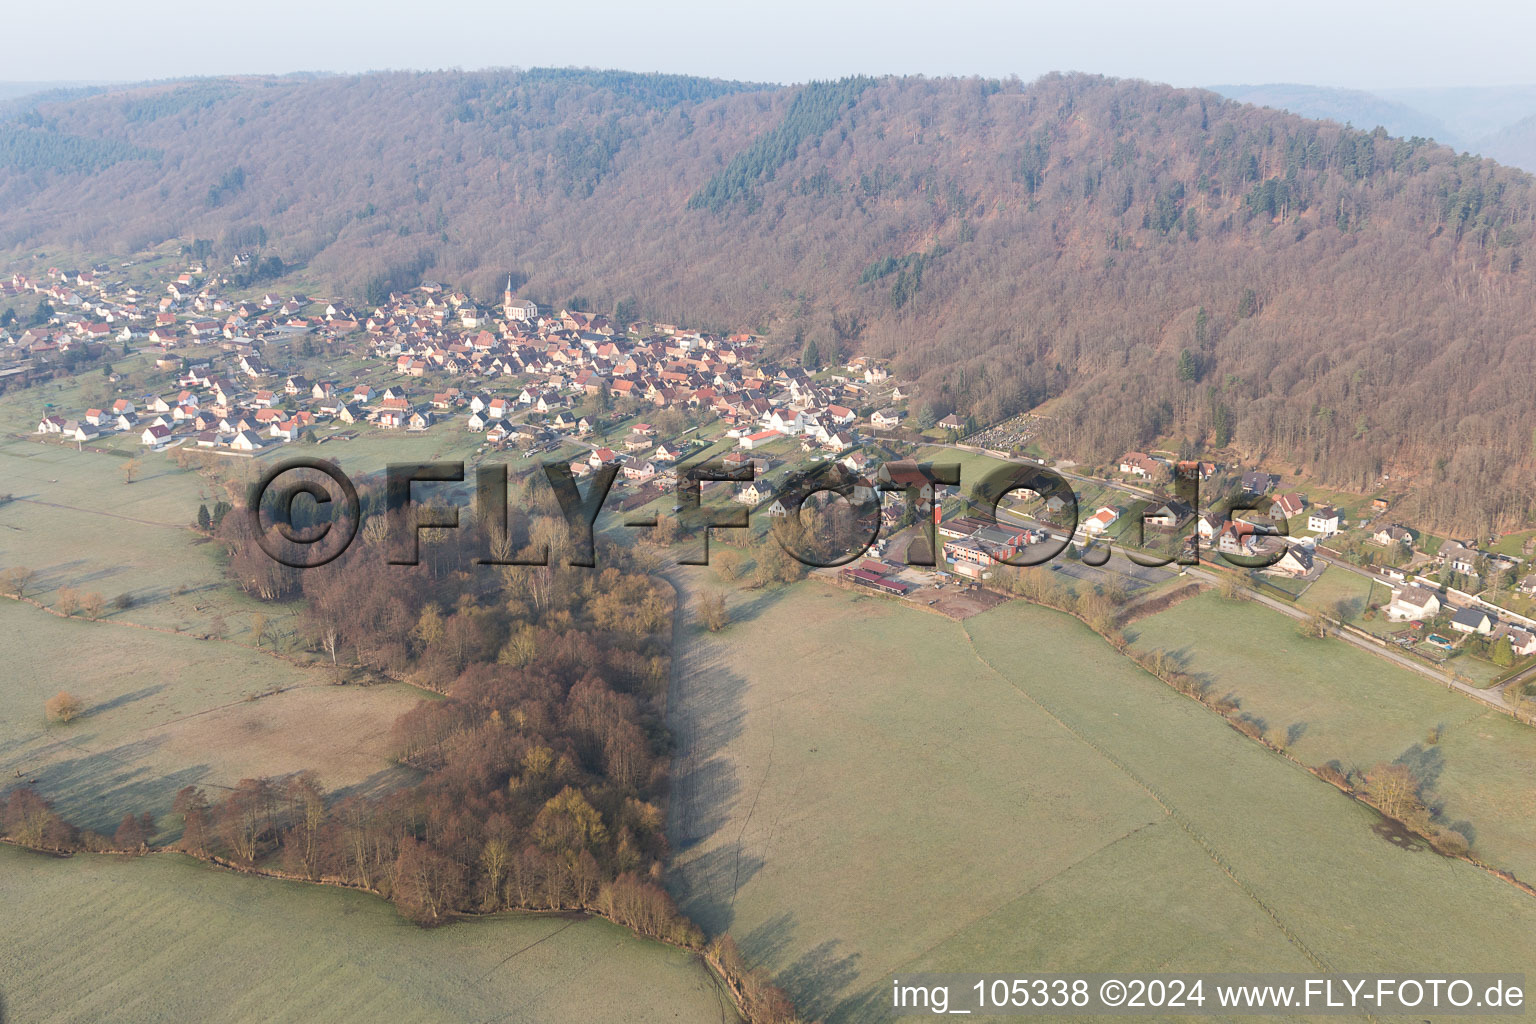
63	707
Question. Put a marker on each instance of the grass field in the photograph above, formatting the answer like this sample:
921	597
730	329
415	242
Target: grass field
1335	585
166	711
1332	702
869	789
166	939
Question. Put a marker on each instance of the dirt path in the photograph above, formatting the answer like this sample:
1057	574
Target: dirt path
99	512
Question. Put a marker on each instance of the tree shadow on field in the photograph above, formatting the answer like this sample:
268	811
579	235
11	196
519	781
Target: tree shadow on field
95	576
760	601
121	700
94	791
817	980
52	577
706	714
380	783
706	886
1426	762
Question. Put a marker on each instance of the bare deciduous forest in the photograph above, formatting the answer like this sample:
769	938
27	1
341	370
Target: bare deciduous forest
1154	263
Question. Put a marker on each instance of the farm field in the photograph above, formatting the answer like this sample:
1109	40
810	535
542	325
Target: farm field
113	939
1328	701
74	521
166	711
867	789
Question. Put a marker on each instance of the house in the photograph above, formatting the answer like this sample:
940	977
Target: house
1287	505
1413	603
785	421
1168	515
1473	621
1522	641
885	419
476	423
1257	482
752	494
777	510
1458	556
1140	464
907	475
155	435
50	425
1101	520
839	441
1297	561
246	441
1236	537
642	472
1393	536
1324	520
951	422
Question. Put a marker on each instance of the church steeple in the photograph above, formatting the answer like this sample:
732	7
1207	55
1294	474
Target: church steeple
506	299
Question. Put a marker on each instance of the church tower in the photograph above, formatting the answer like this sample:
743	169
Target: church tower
506	299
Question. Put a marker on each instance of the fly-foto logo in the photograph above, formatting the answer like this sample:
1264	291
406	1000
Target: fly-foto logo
308	535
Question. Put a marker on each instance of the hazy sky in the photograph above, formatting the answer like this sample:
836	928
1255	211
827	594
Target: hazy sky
1195	42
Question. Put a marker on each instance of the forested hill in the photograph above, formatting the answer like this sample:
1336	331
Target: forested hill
1155	262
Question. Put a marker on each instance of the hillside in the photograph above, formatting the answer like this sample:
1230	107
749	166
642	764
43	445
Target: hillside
1352	304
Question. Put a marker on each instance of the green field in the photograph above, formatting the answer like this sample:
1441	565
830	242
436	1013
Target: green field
164	938
868	789
1329	701
1335	585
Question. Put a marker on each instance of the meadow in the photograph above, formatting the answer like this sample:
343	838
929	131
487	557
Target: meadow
866	789
1328	701
164	938
163	711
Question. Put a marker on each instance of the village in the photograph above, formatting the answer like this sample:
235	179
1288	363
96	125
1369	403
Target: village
243	378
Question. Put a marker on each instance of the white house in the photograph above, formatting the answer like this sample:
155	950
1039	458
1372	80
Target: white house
1324	520
1413	603
1472	620
1101	520
1522	641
